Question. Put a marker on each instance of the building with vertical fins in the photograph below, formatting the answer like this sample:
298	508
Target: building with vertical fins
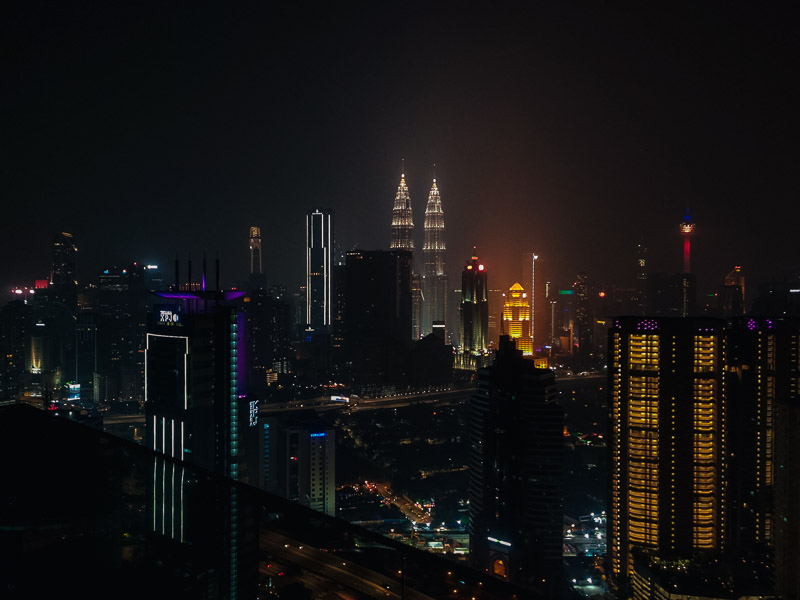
319	268
63	276
473	349
517	318
434	282
196	405
516	467
666	440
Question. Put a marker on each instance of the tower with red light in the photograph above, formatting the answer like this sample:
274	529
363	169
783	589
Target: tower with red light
474	313
687	230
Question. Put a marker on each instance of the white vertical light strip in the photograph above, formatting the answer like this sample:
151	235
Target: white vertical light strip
183	445
163	495
155	433
173	437
164	435
172	485
146	348
328	264
183	474
155	505
185	376
309	244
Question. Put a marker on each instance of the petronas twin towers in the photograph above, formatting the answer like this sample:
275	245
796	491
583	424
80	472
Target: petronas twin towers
430	307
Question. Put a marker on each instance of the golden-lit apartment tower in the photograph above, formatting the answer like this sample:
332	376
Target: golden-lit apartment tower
666	438
517	318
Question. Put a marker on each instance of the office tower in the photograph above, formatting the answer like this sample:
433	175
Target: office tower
640	298
257	279
434	283
666	439
584	313
338	352
732	296
319	267
473	349
86	354
256	266
299	462
529	264
15	332
402	219
517	318
516	472
416	306
63	277
671	295
196	406
377	316
687	231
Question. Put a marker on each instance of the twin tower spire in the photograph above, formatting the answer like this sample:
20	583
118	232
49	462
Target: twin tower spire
434	279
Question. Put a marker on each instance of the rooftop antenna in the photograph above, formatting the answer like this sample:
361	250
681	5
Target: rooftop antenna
204	271
177	273
189	274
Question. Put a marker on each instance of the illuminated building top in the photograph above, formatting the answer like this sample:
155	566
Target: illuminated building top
402	219
517	318
255	250
434	283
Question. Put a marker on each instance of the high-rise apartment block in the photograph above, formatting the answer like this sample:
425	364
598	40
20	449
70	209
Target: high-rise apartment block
299	462
666	438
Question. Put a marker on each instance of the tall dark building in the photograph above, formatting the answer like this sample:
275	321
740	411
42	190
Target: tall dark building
516	472
15	333
434	280
763	370
667	447
196	404
732	295
63	276
377	316
319	268
474	316
257	280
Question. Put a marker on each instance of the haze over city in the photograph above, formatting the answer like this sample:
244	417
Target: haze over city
577	132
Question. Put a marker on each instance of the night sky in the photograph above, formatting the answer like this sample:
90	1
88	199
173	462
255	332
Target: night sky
147	129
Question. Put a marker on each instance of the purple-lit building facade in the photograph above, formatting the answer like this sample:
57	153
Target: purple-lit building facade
196	406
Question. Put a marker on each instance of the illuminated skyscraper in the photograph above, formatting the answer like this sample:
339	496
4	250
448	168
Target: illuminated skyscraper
319	267
434	283
196	405
666	438
517	319
402	219
256	267
474	313
687	230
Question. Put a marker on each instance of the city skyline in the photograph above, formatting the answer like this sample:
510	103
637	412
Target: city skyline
596	128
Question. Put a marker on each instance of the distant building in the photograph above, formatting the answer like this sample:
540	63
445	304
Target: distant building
63	274
434	281
732	296
402	219
473	350
517	319
299	462
257	279
378	316
516	472
319	268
